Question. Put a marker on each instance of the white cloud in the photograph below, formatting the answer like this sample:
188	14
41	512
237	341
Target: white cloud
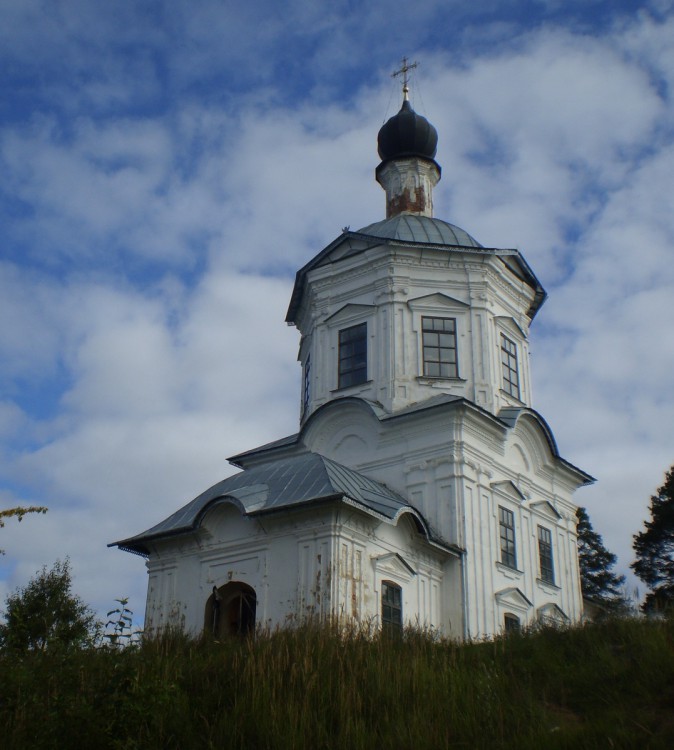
157	398
150	276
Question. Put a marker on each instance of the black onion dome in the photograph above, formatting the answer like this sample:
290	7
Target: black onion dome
407	134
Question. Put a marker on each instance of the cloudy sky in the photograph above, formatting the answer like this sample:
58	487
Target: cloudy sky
165	167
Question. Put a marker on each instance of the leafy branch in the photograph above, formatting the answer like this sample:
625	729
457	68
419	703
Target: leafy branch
18	513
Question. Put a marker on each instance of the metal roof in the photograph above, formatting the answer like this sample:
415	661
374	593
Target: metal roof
507	418
422	233
407	134
413	228
285	484
291	441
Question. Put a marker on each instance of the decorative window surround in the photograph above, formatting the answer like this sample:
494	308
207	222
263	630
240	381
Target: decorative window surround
551	614
549	588
512	573
393	565
509	490
546	509
513	600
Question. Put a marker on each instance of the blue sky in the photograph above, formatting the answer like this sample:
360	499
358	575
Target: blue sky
167	166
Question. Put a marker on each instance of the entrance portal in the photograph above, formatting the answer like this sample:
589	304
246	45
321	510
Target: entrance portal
230	610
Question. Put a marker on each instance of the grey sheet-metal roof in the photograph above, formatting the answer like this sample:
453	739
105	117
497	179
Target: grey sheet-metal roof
421	232
507	418
285	484
291	441
414	228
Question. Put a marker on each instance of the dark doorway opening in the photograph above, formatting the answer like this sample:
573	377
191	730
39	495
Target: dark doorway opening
230	610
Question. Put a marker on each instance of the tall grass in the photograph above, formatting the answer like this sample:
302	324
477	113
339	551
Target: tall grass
608	685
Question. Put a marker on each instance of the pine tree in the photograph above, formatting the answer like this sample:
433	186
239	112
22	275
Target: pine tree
654	548
598	581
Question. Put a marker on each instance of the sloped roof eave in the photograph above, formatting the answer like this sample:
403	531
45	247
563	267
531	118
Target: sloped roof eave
283	484
525	271
139	545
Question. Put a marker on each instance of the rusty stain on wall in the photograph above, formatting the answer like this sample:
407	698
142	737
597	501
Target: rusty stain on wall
410	200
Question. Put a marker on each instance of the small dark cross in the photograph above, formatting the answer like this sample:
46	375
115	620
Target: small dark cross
404	70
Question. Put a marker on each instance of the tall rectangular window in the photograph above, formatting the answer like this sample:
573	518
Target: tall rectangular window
391	606
306	392
509	371
352	355
439	343
507	529
545	554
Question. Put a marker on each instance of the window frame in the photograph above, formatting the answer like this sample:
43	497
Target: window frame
507	537
427	362
391	607
347	353
546	559
510	370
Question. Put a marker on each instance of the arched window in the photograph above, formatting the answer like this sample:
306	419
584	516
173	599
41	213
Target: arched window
230	610
391	606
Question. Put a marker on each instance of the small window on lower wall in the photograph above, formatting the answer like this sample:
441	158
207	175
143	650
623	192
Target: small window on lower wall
511	623
391	607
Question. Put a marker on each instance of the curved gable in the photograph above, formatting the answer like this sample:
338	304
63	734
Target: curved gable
224	520
531	444
345	429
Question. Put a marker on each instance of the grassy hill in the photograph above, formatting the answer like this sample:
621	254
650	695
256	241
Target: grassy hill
608	685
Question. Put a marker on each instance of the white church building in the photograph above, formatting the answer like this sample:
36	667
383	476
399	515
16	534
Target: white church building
422	488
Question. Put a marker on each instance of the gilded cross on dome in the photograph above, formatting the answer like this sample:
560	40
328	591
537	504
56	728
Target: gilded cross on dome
404	70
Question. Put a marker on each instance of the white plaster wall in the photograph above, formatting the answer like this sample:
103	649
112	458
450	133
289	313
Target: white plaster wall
456	469
391	289
455	465
329	563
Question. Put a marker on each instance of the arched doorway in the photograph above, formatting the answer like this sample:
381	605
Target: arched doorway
230	610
